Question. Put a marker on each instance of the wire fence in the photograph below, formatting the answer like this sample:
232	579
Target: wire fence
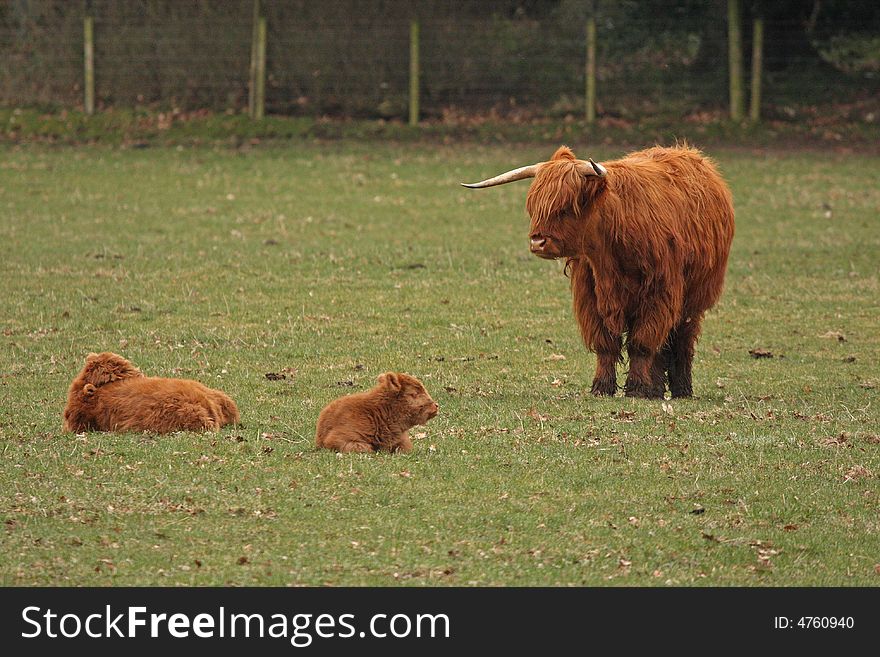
353	59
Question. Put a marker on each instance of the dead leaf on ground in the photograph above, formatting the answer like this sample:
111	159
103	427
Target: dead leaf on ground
555	357
765	554
538	417
857	472
760	353
275	376
840	440
834	335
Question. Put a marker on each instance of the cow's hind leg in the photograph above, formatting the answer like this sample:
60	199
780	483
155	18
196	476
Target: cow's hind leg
660	366
642	379
682	341
650	328
648	352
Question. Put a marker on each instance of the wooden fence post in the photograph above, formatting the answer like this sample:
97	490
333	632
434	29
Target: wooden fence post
257	86
590	71
414	73
260	109
757	68
735	62
89	61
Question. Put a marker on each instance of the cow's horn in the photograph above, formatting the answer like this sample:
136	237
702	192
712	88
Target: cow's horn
595	169
509	176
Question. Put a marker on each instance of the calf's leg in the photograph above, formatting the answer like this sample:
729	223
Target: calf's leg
342	441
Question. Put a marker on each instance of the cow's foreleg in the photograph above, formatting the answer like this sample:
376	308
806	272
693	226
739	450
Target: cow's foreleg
594	330
605	380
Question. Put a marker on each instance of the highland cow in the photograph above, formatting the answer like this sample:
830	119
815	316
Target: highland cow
646	240
378	419
111	394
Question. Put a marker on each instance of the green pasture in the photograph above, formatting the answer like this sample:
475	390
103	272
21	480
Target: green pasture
325	264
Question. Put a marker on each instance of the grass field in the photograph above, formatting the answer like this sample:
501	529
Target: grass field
332	263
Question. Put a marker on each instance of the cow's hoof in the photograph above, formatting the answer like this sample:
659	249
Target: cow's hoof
642	390
604	387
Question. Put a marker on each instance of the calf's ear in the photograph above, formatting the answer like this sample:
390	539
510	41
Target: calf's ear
390	380
89	390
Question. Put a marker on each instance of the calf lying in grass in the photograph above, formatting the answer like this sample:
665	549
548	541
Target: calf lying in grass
111	394
377	419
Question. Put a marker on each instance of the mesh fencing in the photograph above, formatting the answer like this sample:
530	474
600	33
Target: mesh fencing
352	59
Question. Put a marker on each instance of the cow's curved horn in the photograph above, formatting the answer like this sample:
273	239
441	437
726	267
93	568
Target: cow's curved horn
599	169
509	176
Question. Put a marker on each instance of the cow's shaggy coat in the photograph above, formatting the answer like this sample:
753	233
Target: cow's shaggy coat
646	240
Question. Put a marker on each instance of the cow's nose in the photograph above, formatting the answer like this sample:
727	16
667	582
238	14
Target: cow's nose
538	243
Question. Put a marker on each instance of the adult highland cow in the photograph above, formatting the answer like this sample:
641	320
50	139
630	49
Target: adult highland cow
646	240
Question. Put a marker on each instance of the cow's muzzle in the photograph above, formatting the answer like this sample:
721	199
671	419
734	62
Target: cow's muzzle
541	247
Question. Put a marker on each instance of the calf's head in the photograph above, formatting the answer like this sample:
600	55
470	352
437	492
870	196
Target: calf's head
409	397
107	367
558	201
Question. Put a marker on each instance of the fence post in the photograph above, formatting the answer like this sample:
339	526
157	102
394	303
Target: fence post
590	99
757	68
89	60
735	63
414	72
260	109
257	86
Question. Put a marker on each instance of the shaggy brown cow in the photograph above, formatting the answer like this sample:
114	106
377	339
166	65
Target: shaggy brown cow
111	394
646	240
377	419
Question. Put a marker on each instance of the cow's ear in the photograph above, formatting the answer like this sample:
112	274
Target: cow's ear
89	390
389	380
592	191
